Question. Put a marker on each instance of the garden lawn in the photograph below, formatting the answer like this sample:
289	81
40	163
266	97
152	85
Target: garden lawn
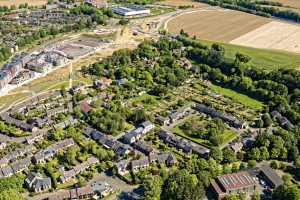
241	98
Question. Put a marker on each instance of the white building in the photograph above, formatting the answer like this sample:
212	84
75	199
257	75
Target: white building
131	11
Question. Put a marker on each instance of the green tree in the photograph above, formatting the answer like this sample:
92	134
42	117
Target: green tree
229	155
286	192
182	185
275	164
152	187
232	197
267	120
71	155
10	194
216	154
251	163
255	196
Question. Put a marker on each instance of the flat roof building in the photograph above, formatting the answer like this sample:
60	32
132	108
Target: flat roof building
272	178
240	182
131	11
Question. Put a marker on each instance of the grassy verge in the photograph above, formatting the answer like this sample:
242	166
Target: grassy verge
262	58
241	98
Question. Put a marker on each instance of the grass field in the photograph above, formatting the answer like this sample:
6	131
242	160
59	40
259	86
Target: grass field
243	99
18	2
216	25
262	58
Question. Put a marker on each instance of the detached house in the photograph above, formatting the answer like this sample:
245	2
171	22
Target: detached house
36	183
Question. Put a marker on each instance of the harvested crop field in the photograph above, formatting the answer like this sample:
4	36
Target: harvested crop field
217	25
274	35
290	3
184	3
18	2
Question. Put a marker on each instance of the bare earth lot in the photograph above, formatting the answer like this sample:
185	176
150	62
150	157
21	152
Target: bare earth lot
217	25
184	3
18	2
274	35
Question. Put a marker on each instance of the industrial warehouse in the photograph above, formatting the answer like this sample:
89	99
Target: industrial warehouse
131	11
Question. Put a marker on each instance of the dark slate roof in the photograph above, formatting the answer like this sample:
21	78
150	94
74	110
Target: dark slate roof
18	123
215	113
21	164
143	147
41	183
271	175
140	163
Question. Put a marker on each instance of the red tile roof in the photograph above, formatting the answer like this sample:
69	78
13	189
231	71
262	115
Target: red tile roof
85	107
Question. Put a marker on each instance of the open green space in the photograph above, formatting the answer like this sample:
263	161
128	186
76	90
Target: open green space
241	98
198	124
227	136
262	58
145	100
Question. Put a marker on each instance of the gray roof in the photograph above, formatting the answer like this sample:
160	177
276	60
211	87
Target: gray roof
18	123
222	115
78	168
100	186
36	182
7	171
21	164
271	175
140	163
145	124
143	147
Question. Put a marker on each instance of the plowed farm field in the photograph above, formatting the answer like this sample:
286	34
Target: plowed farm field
217	25
290	3
274	35
238	28
18	2
178	3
